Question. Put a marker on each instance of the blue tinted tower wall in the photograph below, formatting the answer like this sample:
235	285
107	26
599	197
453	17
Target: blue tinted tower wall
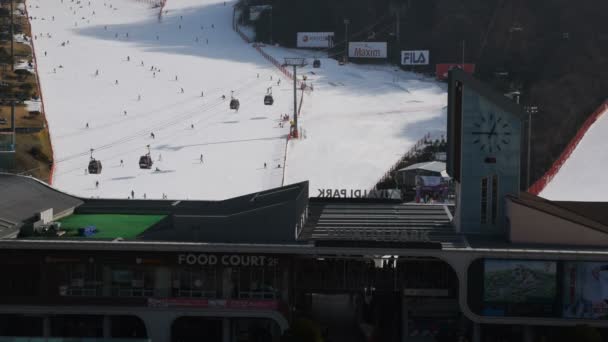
484	153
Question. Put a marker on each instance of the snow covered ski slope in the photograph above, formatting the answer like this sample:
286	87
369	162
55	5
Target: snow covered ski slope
359	121
112	66
582	175
142	67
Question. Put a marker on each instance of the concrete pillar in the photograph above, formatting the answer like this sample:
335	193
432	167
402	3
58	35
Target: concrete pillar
476	332
528	333
46	326
227	284
107	327
405	331
162	282
158	325
226	330
107	281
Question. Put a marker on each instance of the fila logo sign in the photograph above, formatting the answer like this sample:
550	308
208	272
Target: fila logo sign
415	57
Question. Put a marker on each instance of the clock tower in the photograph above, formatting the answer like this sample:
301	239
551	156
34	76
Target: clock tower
484	154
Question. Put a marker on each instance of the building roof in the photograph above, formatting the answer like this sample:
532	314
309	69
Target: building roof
381	221
590	214
24	197
433	166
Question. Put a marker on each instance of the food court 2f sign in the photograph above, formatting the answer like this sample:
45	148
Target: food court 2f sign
415	57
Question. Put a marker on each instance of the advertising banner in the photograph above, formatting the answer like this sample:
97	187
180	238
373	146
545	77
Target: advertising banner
315	39
441	70
415	57
367	49
519	281
255	11
585	290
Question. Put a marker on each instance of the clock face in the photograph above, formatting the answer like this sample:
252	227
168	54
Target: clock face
491	133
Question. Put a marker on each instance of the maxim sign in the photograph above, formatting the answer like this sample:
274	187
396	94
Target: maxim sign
226	260
367	49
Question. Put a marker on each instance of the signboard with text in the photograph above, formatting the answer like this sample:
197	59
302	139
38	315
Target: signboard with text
415	57
367	49
315	39
585	290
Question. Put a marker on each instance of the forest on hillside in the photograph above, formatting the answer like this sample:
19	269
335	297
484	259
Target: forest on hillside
555	52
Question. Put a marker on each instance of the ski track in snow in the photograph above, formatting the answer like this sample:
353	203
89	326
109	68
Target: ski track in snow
355	131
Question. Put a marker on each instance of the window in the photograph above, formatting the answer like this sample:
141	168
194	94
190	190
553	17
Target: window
256	282
132	282
83	280
484	200
494	198
195	282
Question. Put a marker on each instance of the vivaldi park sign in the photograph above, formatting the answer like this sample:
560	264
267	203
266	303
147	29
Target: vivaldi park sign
400	235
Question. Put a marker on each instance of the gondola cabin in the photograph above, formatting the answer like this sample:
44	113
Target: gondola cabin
268	100
145	162
94	166
234	104
316	63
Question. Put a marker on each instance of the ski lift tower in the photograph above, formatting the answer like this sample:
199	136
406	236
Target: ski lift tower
295	62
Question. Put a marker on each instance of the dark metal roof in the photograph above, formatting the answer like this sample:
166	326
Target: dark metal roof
383	222
24	197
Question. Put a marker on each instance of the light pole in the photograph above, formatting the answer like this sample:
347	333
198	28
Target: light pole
295	63
530	110
346	22
12	38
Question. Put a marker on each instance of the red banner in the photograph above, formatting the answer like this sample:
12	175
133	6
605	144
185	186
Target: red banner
441	70
244	304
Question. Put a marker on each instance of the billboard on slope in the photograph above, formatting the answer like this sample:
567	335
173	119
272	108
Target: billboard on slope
415	57
441	70
585	290
315	39
367	49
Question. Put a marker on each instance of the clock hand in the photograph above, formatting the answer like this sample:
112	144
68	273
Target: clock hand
493	130
480	133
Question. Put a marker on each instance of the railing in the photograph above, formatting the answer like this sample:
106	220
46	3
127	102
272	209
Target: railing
409	154
542	182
